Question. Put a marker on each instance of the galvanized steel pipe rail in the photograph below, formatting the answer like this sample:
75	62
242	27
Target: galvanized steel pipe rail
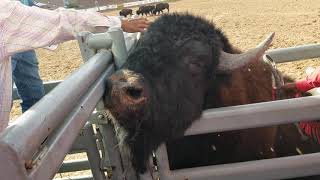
267	169
302	52
34	126
257	115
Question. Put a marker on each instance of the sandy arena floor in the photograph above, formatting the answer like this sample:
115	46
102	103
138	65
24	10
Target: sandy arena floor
245	22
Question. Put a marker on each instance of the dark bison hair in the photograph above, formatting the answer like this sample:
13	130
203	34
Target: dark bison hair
165	36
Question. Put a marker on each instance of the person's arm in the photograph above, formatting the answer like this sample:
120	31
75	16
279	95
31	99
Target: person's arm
304	85
134	25
310	82
23	28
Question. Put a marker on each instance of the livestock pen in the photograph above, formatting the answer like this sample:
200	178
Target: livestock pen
71	118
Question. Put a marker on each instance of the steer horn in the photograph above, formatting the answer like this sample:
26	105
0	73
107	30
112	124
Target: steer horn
229	62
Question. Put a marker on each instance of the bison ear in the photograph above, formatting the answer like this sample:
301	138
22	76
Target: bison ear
229	62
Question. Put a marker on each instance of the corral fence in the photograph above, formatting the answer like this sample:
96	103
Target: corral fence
94	5
71	119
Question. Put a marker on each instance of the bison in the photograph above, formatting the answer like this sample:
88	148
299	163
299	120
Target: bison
160	7
147	9
182	65
125	12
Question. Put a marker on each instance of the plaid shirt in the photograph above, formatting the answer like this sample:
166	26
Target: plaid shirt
23	28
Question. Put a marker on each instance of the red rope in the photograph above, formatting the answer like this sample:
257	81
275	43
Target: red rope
311	129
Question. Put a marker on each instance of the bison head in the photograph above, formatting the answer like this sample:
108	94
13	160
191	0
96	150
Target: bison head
162	87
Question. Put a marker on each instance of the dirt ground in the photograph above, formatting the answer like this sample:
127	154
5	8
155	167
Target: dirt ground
245	22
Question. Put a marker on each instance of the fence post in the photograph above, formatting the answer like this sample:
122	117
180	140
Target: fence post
119	49
86	52
93	153
112	159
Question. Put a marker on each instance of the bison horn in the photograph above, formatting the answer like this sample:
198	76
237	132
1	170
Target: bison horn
229	62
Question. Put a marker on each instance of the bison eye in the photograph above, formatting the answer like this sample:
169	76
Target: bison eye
134	92
195	67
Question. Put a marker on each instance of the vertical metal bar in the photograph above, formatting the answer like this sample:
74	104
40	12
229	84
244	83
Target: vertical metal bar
111	149
162	161
119	49
93	153
86	52
116	159
151	173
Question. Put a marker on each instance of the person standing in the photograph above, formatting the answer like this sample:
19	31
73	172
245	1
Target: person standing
25	73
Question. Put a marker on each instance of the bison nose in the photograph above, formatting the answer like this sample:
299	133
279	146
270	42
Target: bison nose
126	89
133	92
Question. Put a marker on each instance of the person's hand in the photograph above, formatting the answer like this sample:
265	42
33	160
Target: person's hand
310	82
134	25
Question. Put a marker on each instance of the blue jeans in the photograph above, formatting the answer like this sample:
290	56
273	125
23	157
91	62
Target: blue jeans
66	3
25	73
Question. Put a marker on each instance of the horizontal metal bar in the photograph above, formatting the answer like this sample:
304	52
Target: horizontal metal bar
74	165
58	145
75	151
48	86
282	55
257	115
27	133
77	178
99	41
104	40
279	168
267	169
